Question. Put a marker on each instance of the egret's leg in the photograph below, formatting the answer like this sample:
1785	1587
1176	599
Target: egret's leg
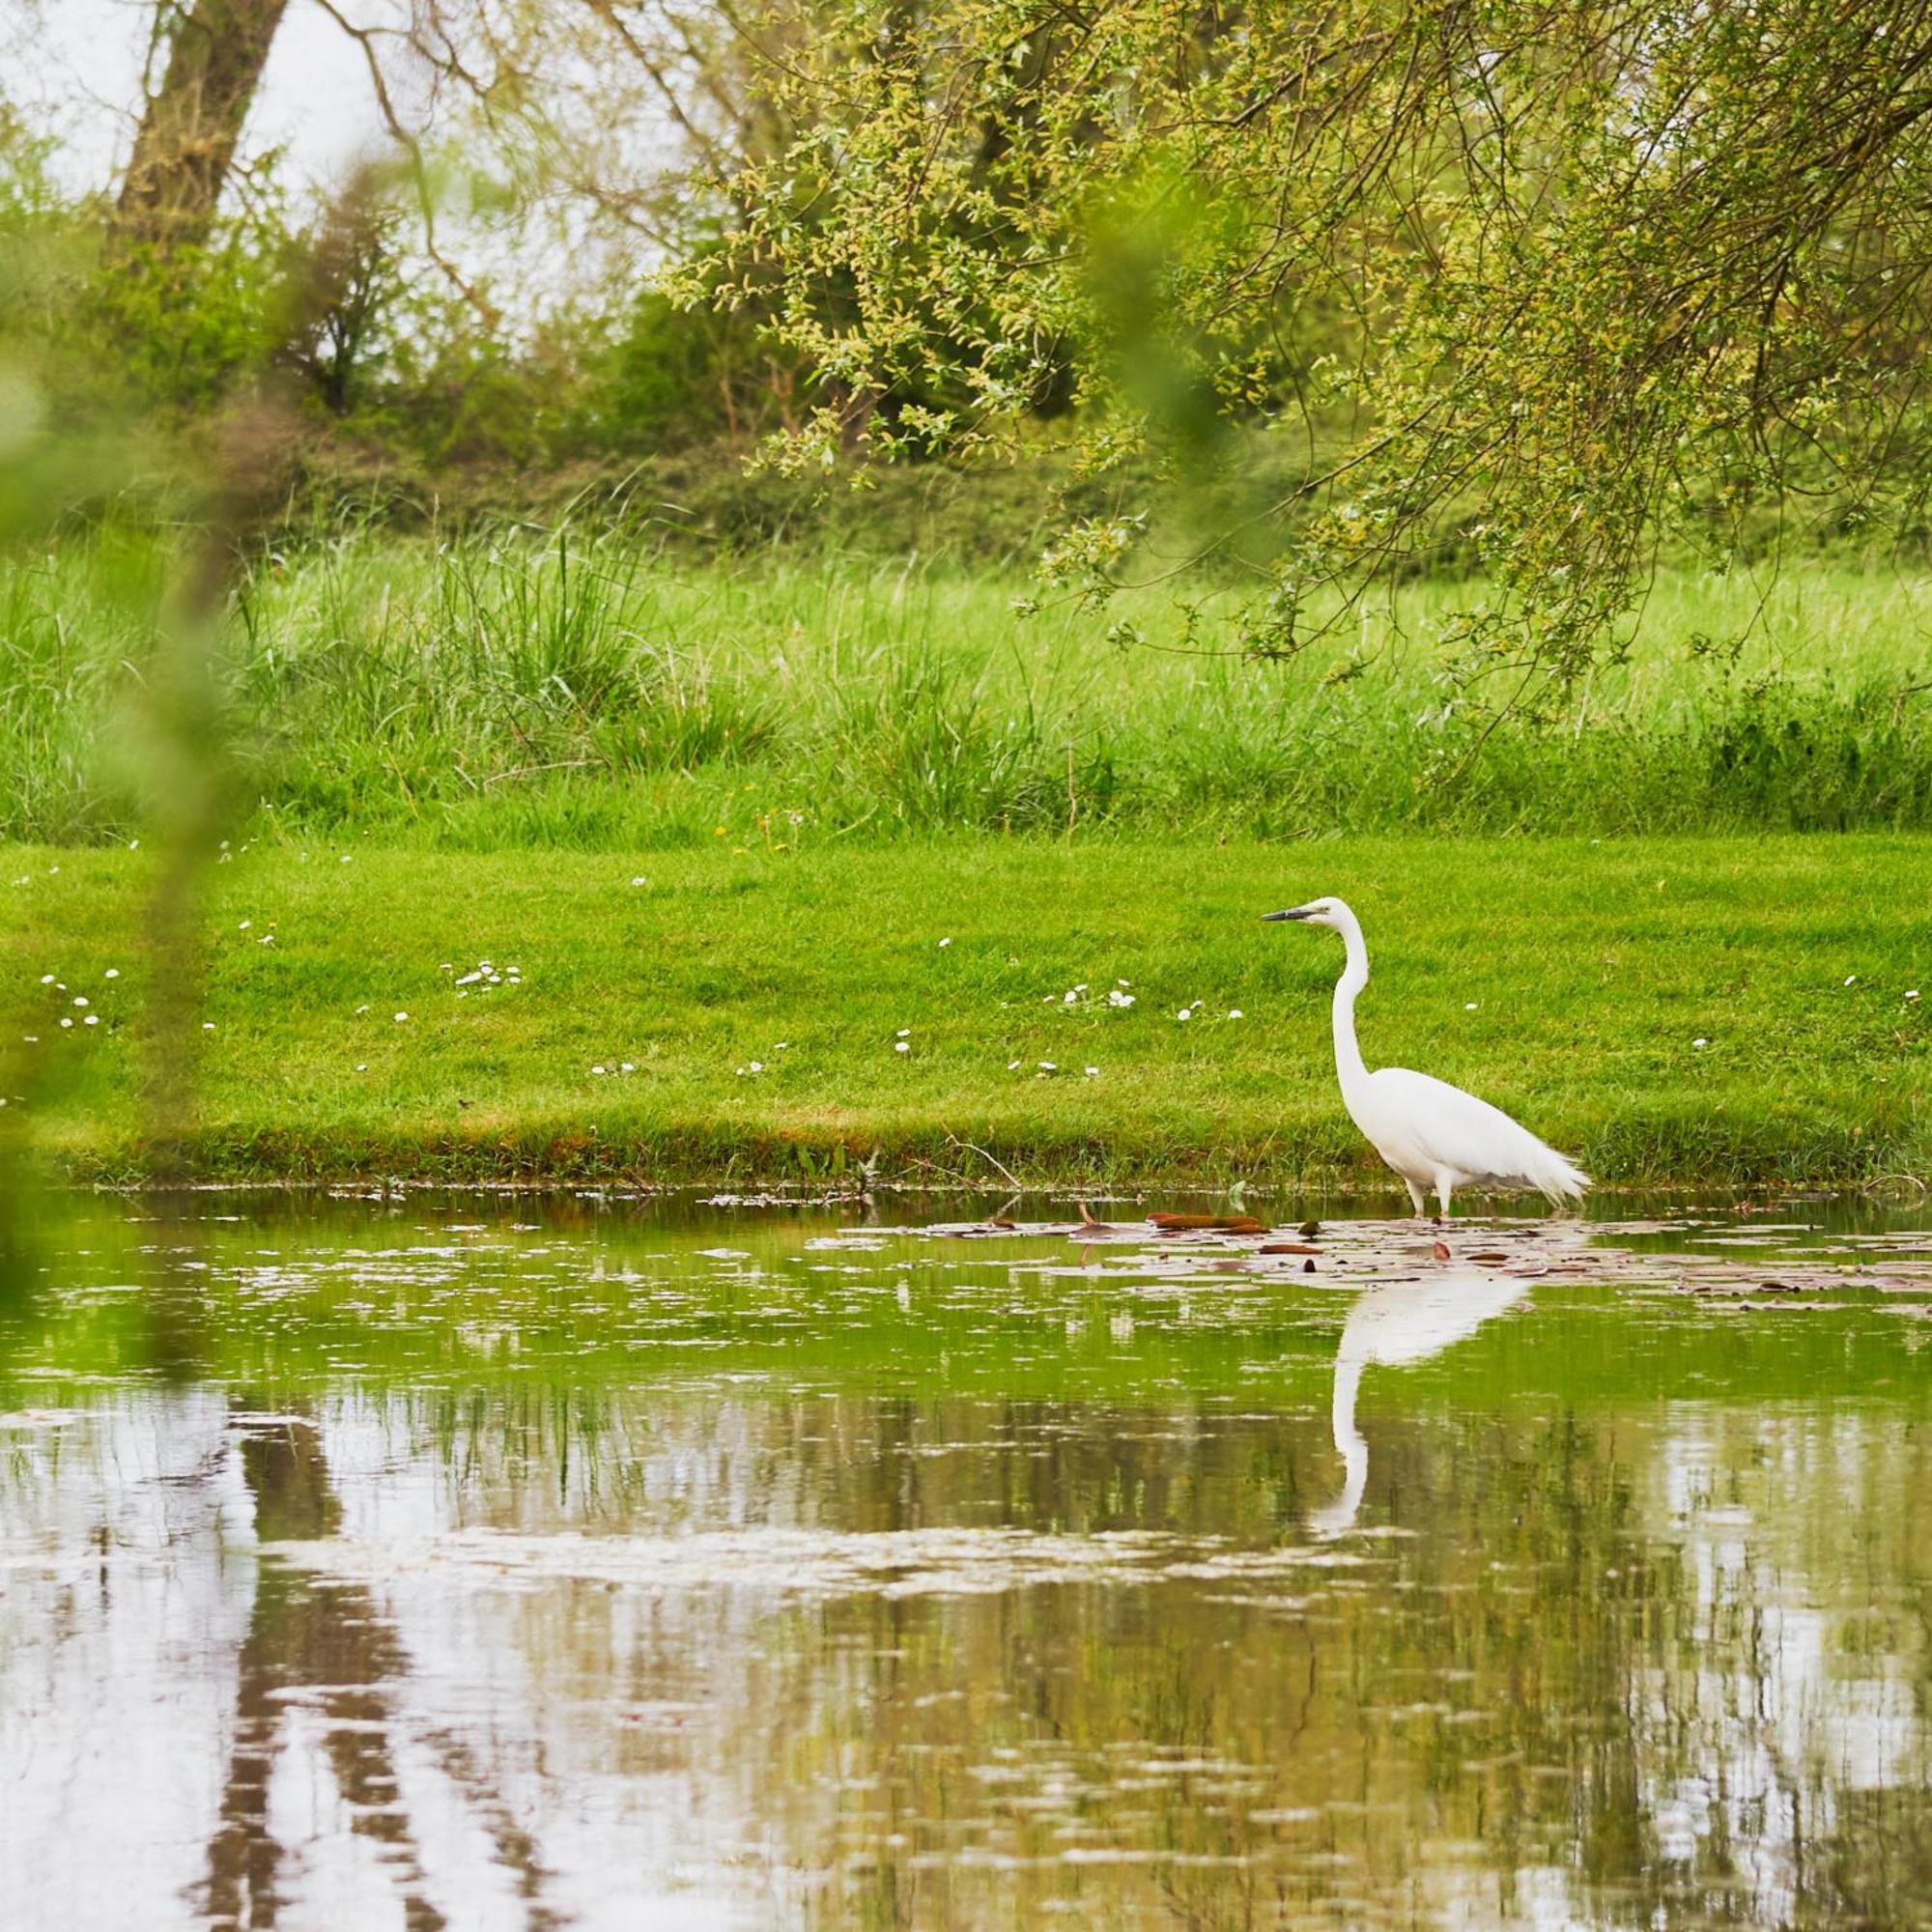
1416	1195
1443	1187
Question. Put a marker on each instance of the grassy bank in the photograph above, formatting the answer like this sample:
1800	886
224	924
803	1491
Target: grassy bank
483	696
749	1008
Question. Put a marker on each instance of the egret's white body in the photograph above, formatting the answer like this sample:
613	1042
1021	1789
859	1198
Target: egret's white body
1436	1136
1399	1322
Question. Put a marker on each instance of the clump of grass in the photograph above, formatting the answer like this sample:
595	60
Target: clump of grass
495	667
494	690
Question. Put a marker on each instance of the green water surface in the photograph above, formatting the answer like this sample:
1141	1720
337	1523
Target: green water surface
473	1561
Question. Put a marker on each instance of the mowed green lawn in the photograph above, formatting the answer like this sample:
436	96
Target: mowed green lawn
753	1015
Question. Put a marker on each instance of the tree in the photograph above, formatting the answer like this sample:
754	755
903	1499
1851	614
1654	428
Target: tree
185	145
1551	279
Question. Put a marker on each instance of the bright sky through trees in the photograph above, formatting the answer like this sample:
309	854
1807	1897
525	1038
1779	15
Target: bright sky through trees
75	67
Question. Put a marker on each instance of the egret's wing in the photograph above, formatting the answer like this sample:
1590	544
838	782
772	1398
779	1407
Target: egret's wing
1403	1321
1445	1128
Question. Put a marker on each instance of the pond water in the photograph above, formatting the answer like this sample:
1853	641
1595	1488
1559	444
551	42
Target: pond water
476	1561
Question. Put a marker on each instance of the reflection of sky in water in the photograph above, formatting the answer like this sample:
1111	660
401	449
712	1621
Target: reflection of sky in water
758	1573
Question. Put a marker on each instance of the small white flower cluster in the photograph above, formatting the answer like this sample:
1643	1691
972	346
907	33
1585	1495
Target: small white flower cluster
601	1071
1047	1070
1188	1012
1911	994
904	1042
1117	996
484	976
751	1069
79	1000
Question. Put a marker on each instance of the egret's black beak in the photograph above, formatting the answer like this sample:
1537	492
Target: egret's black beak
1293	911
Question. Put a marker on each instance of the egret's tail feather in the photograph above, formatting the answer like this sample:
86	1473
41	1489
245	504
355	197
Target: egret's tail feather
1557	1177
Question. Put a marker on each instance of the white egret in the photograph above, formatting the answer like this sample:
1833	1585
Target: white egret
1400	1323
1436	1136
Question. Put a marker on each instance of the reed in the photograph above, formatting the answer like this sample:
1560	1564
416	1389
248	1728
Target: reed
570	689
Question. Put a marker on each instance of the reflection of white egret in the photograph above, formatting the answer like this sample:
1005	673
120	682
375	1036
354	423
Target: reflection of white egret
1436	1136
1399	1322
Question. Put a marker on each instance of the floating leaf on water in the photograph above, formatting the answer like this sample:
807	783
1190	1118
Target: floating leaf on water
1219	1224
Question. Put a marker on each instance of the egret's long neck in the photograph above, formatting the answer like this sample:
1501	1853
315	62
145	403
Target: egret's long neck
1348	1066
1339	1515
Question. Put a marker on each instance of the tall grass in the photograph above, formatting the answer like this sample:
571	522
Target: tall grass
584	690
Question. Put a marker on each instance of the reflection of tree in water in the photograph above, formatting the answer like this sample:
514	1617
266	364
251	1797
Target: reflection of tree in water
333	1642
1510	1694
1518	1688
